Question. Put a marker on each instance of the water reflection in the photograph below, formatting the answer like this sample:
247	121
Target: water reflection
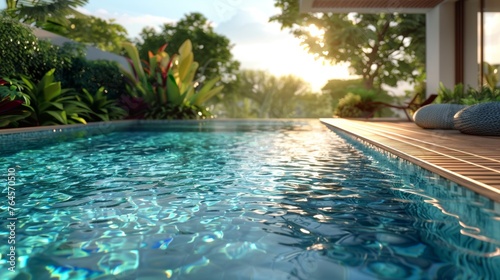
295	202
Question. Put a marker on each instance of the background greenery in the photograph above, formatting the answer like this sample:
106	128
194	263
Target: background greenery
382	49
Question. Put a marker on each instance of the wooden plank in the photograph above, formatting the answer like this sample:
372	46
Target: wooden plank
472	161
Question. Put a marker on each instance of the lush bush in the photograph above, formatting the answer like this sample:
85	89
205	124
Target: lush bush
348	106
12	111
51	104
101	108
93	75
14	104
166	84
49	56
17	48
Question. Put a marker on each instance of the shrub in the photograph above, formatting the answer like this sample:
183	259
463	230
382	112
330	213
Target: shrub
166	84
17	48
14	106
93	75
51	103
12	111
49	56
361	102
471	96
101	108
348	106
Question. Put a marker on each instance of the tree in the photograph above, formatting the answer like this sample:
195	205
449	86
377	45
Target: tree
381	48
102	34
312	105
263	95
61	17
211	50
274	96
44	12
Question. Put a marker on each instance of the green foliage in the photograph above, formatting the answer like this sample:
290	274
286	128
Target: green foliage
490	75
263	95
481	95
454	96
273	96
338	88
81	73
102	34
359	102
312	105
51	104
49	56
12	88
471	96
101	108
17	48
12	111
14	106
348	106
52	13
166	83
381	48
212	50
21	53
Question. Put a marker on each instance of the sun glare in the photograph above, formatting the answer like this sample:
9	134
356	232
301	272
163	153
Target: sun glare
315	31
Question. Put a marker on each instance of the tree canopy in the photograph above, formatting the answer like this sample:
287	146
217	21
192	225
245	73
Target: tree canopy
381	48
44	12
97	32
62	17
264	95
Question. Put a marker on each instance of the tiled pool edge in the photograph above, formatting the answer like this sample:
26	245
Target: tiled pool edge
443	172
16	139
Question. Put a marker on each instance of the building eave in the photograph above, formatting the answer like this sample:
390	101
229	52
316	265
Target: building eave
369	6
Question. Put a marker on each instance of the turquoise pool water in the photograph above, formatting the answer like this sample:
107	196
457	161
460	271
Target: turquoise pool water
238	200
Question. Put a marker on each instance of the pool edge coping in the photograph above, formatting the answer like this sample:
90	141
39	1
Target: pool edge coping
469	183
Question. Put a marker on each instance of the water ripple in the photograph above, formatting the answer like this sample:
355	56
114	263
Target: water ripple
288	201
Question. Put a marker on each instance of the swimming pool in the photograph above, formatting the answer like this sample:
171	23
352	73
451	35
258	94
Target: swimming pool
237	200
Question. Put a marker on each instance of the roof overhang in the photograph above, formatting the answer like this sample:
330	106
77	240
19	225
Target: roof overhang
369	6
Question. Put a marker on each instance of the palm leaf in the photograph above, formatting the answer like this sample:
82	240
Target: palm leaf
43	10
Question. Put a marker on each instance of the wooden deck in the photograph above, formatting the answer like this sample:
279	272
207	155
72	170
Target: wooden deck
471	161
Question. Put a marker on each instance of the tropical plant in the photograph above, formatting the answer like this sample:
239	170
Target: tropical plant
44	13
101	108
51	104
166	83
454	96
481	95
471	96
490	76
13	89
212	50
12	111
14	106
